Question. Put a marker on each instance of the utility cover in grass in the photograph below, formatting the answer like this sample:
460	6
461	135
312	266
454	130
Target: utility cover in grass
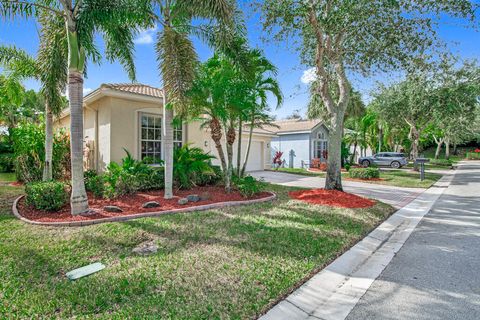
85	271
332	198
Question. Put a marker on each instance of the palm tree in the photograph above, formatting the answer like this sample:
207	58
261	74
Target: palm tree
50	69
117	22
218	97
260	77
177	57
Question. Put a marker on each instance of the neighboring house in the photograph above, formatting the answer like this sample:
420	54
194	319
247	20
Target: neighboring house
129	116
301	141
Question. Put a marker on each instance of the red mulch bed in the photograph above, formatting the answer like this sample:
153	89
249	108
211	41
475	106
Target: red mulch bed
332	198
132	204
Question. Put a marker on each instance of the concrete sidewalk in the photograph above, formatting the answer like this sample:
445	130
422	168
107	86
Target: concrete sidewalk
397	197
334	292
435	274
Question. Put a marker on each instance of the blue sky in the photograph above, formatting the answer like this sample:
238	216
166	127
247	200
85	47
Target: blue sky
23	34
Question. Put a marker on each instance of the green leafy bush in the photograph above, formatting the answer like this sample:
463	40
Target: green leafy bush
441	162
94	183
191	165
48	196
131	176
29	152
248	186
210	178
364	173
7	163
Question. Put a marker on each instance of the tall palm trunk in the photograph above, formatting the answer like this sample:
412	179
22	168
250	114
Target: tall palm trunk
230	141
249	144
168	150
47	169
78	200
334	177
216	134
239	146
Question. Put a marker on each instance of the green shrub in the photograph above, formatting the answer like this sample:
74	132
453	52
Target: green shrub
210	178
48	196
248	186
94	183
191	165
473	155
441	162
364	173
131	176
29	152
7	163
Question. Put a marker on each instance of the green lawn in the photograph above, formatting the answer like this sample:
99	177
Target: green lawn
221	264
411	179
397	178
7	177
300	171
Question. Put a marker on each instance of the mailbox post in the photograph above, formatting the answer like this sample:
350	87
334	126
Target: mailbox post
421	162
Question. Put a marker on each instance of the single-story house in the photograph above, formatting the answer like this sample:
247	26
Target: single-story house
301	141
129	116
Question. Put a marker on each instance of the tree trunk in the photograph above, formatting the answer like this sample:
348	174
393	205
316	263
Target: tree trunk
439	147
47	167
78	200
247	153
168	150
230	141
333	179
352	158
447	149
380	138
455	151
239	146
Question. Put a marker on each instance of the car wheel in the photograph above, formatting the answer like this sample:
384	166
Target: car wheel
365	163
395	165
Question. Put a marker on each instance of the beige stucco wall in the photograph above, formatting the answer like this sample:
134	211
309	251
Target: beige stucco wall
117	119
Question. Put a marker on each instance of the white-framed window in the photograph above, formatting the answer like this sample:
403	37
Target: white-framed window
178	136
320	146
151	137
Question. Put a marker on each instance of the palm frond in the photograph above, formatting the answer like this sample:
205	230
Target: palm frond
177	60
18	63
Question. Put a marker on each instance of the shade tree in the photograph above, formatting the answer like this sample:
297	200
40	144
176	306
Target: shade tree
342	37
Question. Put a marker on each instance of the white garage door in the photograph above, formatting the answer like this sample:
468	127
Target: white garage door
255	158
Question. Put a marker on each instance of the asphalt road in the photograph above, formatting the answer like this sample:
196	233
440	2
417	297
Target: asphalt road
436	274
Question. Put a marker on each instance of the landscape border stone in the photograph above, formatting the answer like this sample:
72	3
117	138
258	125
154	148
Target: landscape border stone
83	223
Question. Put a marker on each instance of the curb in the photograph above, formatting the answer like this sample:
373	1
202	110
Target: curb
204	207
332	293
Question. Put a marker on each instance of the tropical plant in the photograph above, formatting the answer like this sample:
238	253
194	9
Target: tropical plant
260	77
341	38
50	68
215	24
29	152
190	165
117	22
217	98
248	186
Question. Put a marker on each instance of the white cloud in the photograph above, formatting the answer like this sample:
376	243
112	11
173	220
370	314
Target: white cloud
146	36
87	90
308	76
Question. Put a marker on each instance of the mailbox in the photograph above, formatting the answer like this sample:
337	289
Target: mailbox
421	162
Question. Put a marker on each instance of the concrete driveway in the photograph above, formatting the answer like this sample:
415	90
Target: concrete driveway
395	196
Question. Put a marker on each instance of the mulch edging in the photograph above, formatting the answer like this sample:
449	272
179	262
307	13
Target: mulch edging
204	207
